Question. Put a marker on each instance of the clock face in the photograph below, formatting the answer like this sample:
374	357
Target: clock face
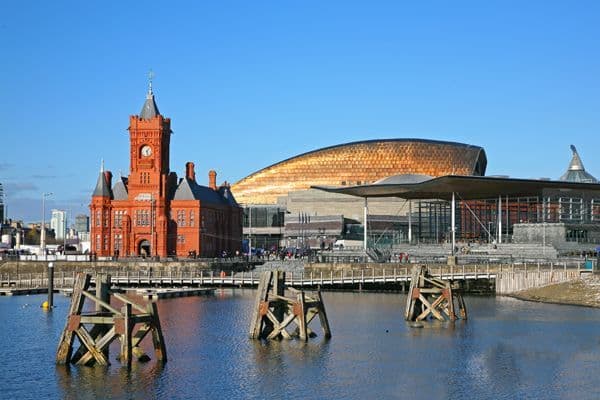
146	151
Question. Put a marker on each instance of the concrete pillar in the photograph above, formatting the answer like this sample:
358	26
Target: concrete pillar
499	219
409	221
453	222
365	224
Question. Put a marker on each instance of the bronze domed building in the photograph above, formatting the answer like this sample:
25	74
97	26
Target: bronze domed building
360	163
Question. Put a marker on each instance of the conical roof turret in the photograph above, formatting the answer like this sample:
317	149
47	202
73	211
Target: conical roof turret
576	172
102	186
149	109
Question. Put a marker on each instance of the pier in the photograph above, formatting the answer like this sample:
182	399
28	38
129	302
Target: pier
507	278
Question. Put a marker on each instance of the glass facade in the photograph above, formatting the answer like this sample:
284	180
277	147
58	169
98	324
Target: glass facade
263	217
263	226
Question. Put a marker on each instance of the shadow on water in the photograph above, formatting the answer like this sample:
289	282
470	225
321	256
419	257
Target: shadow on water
109	382
507	349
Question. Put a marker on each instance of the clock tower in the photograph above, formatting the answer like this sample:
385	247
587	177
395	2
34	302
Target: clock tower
149	142
152	212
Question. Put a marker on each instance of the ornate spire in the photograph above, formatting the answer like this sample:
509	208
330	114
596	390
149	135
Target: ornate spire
149	109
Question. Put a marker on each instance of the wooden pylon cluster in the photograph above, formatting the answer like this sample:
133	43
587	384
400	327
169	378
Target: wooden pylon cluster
274	313
430	297
107	324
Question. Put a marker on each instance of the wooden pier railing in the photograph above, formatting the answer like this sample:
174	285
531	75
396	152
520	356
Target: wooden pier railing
509	278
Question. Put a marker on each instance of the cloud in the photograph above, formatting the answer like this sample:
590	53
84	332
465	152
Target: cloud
28	209
5	166
44	176
11	189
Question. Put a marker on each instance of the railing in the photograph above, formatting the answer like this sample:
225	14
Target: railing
369	275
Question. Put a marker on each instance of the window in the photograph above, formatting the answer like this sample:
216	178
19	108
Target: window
118	242
145	177
181	239
119	218
106	242
98	218
142	217
595	209
191	217
98	243
181	218
571	209
106	218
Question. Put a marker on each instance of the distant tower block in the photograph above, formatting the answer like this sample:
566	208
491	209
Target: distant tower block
2	216
430	298
274	313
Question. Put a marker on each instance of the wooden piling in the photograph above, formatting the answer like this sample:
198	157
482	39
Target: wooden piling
432	298
274	313
107	324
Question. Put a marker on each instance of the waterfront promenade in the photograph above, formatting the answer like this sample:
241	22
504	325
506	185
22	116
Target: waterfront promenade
508	278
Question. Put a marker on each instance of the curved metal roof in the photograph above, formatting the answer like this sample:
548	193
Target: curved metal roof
360	163
361	142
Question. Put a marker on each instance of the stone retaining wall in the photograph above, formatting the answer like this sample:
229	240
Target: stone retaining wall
12	267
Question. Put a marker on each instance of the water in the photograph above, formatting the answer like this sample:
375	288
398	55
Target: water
507	350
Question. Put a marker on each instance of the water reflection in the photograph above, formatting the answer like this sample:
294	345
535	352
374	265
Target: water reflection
507	349
109	382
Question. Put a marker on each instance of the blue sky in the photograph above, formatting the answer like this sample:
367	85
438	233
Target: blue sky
250	83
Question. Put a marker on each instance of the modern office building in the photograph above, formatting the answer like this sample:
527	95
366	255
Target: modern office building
58	223
2	206
82	223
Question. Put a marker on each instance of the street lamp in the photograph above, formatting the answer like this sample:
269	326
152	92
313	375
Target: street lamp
65	226
43	230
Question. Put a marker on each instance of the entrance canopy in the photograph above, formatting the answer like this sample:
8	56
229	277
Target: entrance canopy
469	187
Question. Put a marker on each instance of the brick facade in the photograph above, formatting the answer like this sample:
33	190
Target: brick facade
154	213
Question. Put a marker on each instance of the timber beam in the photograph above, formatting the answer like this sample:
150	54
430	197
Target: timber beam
107	324
276	316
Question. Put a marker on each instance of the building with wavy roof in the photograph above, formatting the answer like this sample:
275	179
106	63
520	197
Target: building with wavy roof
282	208
359	163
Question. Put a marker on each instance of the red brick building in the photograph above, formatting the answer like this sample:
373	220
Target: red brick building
153	212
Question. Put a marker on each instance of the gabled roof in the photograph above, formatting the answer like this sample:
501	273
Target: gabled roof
120	189
102	189
225	192
190	190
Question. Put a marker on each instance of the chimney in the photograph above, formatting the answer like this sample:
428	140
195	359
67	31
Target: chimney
189	171
108	178
212	179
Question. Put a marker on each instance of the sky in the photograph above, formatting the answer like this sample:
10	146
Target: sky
250	83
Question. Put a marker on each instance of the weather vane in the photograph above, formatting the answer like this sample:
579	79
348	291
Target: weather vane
150	77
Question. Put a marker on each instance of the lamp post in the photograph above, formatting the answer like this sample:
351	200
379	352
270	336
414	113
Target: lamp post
50	285
65	227
43	230
249	232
